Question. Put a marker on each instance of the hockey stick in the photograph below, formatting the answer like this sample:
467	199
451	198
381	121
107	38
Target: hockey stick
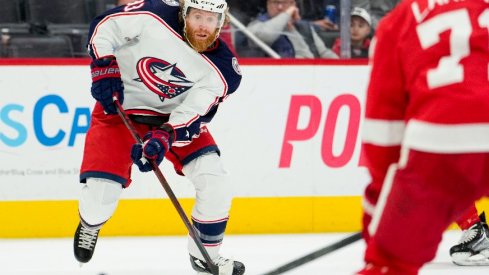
191	230
316	254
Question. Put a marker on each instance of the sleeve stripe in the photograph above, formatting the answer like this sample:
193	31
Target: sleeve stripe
224	82
447	138
383	132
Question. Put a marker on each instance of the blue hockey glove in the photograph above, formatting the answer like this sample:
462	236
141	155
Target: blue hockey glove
106	80
155	145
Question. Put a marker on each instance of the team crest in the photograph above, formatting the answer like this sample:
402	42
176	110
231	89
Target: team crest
164	79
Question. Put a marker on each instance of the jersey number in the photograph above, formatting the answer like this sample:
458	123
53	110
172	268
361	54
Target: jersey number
449	69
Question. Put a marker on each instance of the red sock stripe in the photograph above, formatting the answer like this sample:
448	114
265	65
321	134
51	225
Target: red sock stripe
469	218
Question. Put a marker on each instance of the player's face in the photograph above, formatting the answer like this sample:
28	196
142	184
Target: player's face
359	28
201	28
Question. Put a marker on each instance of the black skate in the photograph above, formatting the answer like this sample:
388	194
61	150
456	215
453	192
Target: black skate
84	243
226	266
473	247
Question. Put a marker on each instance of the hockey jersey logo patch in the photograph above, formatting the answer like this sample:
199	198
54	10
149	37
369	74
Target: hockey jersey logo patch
162	78
236	67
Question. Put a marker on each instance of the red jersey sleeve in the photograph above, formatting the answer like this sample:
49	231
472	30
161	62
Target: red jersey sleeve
386	102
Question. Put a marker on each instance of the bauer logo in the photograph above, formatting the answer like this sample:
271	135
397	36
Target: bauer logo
50	121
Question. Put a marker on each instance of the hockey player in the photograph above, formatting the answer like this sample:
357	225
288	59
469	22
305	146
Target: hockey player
165	63
426	132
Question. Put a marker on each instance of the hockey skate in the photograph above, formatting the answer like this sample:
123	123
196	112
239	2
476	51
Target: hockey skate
226	266
473	247
84	243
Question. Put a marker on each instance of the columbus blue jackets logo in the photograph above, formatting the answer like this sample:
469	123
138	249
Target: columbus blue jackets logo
163	78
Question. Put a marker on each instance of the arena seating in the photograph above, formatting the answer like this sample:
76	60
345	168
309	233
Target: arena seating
39	46
53	28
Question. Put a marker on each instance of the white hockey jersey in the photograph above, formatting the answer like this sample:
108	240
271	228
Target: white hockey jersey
162	75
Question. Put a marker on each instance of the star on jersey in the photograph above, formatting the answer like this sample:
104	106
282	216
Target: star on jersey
164	79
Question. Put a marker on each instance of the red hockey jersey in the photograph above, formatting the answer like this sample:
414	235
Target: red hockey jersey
429	84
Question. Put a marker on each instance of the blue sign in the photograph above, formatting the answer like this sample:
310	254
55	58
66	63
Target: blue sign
79	125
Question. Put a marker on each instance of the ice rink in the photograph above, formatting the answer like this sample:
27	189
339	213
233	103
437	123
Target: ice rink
168	255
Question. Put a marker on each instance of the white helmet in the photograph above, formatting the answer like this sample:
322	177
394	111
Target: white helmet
217	6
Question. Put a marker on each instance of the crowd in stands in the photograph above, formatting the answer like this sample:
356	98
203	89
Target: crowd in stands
282	28
290	28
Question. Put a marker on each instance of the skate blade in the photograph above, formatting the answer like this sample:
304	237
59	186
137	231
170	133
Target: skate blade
204	273
221	272
465	259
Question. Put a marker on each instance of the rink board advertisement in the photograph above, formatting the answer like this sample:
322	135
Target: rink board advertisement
288	131
289	137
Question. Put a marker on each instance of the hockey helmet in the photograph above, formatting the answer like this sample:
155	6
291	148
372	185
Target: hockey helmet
217	6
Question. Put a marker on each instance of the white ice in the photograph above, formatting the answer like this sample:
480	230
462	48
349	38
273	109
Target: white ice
168	256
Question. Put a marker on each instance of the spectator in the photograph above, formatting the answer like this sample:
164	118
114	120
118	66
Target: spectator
313	10
360	30
376	8
244	12
283	30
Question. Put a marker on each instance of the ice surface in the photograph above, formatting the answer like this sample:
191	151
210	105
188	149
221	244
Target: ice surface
168	256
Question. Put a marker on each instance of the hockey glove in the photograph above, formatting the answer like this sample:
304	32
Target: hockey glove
155	145
106	80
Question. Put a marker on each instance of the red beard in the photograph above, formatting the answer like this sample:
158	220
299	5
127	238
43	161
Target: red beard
198	44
